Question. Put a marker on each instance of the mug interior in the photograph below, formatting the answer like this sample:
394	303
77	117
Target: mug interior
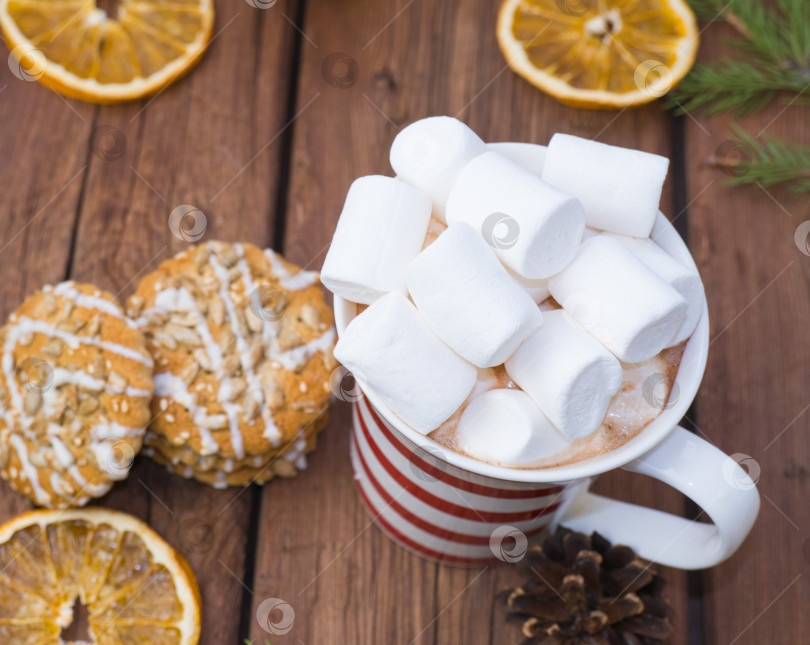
684	389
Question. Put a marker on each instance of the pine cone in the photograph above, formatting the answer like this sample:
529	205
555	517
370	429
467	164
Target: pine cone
585	591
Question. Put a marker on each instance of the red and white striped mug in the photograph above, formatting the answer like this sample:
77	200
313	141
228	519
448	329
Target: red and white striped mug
451	508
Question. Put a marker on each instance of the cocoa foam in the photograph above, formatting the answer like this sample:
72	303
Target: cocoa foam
645	392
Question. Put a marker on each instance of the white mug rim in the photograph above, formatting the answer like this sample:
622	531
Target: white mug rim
688	379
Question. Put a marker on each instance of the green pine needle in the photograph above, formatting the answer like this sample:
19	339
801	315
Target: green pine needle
766	162
729	85
774	48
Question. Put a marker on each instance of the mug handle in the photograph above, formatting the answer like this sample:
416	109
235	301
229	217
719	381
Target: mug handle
709	477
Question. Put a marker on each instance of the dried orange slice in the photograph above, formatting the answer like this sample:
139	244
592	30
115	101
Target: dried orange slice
75	48
599	53
135	588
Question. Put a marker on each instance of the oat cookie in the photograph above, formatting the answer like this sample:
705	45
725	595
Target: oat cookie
185	456
261	471
242	342
75	385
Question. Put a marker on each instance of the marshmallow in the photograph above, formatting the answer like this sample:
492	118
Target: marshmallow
530	156
390	350
619	188
685	280
534	228
469	299
381	229
431	152
567	373
617	299
506	427
537	289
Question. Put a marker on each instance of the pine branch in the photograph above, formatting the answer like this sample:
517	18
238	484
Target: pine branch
729	85
774	44
766	162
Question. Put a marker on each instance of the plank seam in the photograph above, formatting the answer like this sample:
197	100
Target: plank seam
82	191
695	580
278	232
288	136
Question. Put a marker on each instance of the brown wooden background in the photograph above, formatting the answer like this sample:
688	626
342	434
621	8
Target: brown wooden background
289	105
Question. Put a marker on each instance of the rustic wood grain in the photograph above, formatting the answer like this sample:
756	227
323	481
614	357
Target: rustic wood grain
367	69
44	152
756	390
87	194
208	142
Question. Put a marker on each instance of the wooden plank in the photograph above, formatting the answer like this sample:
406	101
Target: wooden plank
367	69
210	141
44	167
754	396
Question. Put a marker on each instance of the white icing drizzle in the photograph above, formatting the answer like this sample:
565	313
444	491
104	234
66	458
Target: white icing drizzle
85	301
300	280
28	469
237	442
171	299
56	484
63	455
167	384
26	325
95	490
112	430
294	358
298	453
288	280
62	376
242	347
105	453
271	431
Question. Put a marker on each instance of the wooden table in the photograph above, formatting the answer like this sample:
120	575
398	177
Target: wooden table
289	105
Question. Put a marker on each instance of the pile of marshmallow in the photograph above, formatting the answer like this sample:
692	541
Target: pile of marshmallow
516	218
